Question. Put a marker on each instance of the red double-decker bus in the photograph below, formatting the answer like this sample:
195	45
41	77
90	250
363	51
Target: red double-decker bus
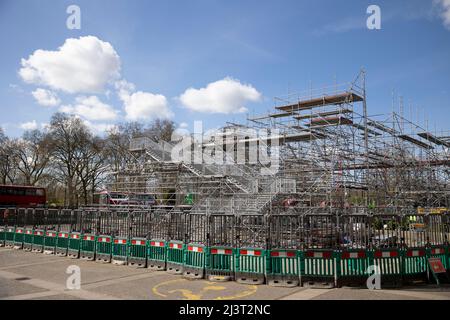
22	196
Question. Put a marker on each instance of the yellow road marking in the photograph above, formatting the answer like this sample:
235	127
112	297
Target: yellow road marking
210	286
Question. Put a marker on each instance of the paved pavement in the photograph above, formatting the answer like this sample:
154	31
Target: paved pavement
26	275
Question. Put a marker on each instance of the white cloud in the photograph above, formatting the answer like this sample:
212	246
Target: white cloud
99	128
224	96
183	125
124	88
444	11
142	105
31	125
46	97
145	106
83	65
90	108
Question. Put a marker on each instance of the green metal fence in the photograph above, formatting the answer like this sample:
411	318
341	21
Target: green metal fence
18	237
38	240
74	245
194	261
2	236
156	254
9	236
119	251
352	267
318	268
283	268
250	265
62	243
175	257
87	246
28	239
103	249
389	262
137	252
282	265
50	239
220	263
414	265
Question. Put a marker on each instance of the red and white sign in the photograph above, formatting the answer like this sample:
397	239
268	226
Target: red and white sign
50	234
437	251
175	245
436	265
222	251
28	232
319	254
38	233
104	239
19	230
386	254
75	236
157	243
138	242
88	238
195	249
245	252
120	241
63	235
353	255
415	253
283	254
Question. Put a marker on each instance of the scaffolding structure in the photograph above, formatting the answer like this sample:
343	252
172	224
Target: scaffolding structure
332	159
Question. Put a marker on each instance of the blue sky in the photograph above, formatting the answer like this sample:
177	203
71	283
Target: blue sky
247	51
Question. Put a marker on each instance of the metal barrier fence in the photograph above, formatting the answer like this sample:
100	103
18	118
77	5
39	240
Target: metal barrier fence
280	250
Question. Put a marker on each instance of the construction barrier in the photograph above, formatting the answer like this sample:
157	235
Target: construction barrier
62	243
197	230
87	247
194	261
175	257
74	246
137	253
103	249
50	239
119	250
283	268
442	253
287	250
38	240
220	263
220	253
9	237
250	266
352	267
389	264
2	236
414	266
156	254
18	237
28	239
318	268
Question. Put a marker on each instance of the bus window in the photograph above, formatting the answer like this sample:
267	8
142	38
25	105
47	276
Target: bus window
40	192
30	192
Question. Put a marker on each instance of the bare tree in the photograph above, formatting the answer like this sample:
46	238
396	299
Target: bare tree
160	130
67	135
32	154
8	162
92	166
